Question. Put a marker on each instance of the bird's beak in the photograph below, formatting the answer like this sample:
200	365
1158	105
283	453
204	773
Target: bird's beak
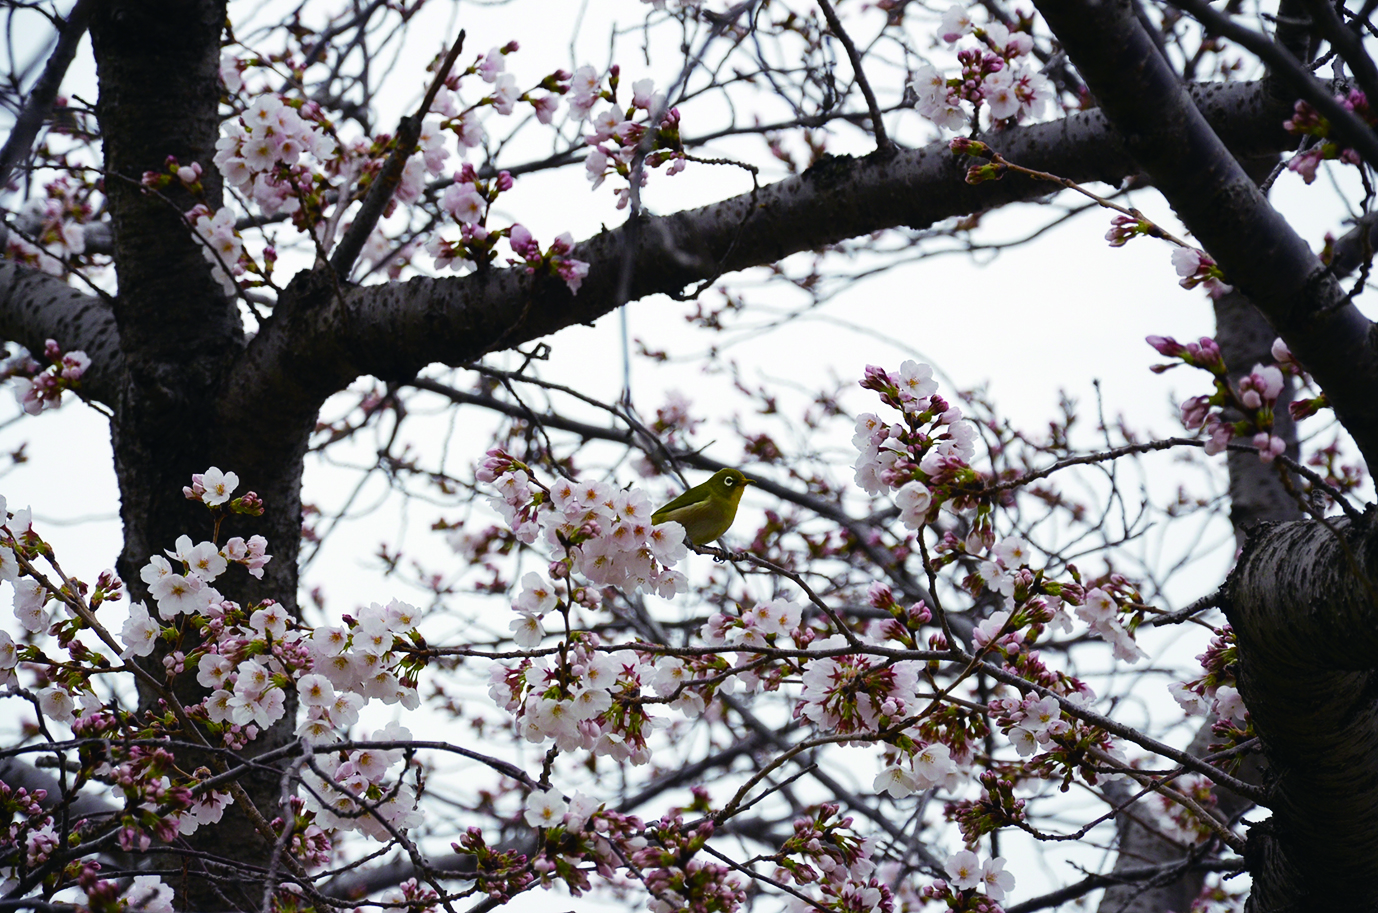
746	481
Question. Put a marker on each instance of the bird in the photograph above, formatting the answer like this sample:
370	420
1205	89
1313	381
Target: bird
706	511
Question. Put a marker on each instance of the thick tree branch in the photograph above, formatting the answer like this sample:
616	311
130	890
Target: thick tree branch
35	307
1258	250
1301	602
1286	70
315	345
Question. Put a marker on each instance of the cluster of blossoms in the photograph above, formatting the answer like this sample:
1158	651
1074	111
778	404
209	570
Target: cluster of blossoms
468	201
920	459
618	135
492	69
189	176
761	625
51	228
1033	602
585	698
581	836
967	873
266	154
352	789
1195	267
853	692
145	893
676	880
260	153
1306	121
825	851
37	387
995	76
248	658
1102	611
223	248
923	462
1033	722
602	533
555	259
582	700
1253	397
1215	691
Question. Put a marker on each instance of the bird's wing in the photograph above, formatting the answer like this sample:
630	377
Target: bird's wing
692	496
690	513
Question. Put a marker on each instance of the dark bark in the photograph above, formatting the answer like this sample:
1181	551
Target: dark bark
35	307
178	334
1259	252
1302	602
319	340
1301	599
189	391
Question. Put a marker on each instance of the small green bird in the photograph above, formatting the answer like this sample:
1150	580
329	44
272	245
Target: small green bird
706	511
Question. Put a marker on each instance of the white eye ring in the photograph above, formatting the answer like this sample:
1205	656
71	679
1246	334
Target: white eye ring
729	481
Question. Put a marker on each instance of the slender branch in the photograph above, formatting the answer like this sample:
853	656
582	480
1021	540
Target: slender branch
44	92
1348	44
1287	68
385	184
1073	709
883	142
1150	873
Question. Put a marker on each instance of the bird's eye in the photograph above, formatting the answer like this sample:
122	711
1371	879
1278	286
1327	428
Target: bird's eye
729	482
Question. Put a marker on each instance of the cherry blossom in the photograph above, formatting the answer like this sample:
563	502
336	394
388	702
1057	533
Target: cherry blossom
545	808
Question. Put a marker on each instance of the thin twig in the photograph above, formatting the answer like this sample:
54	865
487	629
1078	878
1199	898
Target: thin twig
44	92
883	142
1287	68
385	184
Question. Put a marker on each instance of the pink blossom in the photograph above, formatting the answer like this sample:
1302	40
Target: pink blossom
545	107
964	868
956	23
505	94
492	65
1270	446
1261	386
217	485
464	203
998	882
545	808
140	632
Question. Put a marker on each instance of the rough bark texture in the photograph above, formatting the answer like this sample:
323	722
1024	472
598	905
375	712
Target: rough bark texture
1259	252
1296	603
187	389
1302	603
178	333
35	307
319	341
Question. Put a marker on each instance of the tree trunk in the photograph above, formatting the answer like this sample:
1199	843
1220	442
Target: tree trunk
158	64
